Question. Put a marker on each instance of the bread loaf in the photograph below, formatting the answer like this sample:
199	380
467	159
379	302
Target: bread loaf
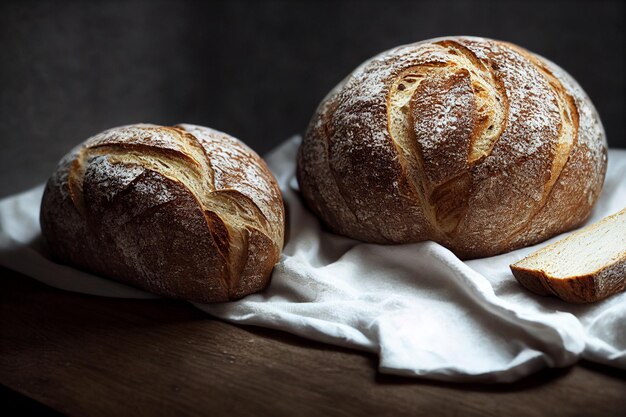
185	212
587	266
477	144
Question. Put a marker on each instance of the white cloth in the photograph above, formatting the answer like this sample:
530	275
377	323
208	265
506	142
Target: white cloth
420	308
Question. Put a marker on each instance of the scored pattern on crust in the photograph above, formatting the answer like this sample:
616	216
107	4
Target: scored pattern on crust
461	140
452	111
226	180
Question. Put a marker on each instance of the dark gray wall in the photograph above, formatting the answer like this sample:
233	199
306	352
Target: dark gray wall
69	69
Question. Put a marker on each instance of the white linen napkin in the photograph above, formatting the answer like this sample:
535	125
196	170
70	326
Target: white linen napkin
421	309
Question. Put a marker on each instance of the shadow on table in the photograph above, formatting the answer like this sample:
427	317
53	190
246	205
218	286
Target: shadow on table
542	377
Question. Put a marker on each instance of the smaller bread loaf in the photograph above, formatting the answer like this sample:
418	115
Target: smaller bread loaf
587	266
185	212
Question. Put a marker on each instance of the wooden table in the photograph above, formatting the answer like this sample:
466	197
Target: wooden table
95	356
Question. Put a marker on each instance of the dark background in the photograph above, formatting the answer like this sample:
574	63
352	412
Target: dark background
256	70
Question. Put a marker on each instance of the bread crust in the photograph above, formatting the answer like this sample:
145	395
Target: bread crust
580	289
477	144
185	212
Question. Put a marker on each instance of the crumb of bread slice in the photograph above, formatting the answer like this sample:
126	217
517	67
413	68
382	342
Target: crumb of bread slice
586	266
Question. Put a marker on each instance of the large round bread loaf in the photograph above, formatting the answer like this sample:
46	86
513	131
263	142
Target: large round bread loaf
477	144
185	212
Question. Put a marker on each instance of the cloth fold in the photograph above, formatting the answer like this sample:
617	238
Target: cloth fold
421	309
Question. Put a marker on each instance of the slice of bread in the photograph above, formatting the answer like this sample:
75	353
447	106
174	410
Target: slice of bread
586	266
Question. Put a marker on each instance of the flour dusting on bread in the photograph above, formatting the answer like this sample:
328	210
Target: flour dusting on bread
477	144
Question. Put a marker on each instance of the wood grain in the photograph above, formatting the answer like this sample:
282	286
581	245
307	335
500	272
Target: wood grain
95	356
